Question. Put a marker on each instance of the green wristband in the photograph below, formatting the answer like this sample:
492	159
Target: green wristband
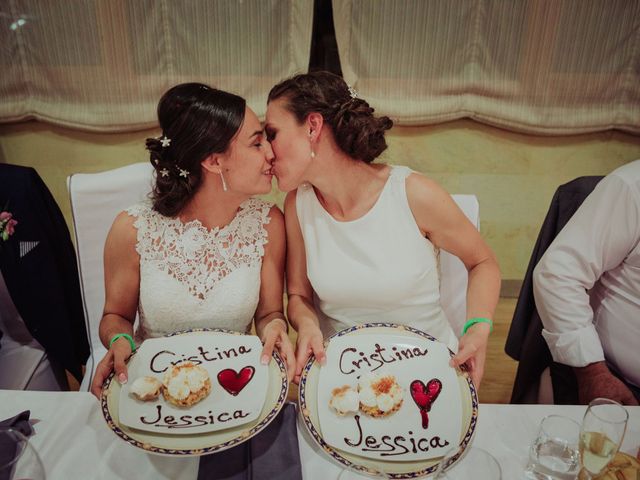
473	321
123	335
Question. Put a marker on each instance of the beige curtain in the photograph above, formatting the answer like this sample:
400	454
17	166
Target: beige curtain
102	65
542	66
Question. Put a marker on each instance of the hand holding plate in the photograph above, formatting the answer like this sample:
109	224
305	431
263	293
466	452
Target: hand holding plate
472	351
275	335
310	341
115	359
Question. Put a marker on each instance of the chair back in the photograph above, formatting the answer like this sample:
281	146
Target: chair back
453	273
96	199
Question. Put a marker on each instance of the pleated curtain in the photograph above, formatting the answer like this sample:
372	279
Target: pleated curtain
551	67
102	65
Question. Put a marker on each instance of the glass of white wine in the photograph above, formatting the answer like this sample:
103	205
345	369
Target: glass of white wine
601	434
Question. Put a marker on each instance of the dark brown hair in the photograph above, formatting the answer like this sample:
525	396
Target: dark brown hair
198	120
356	130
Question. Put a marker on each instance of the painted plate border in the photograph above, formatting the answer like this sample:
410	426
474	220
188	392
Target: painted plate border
216	447
361	468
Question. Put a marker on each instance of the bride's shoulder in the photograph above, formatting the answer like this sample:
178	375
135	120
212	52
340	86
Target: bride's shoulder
275	230
275	217
254	204
260	209
141	209
123	233
268	214
140	221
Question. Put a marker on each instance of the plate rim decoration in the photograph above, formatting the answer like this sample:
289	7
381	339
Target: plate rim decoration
349	460
144	439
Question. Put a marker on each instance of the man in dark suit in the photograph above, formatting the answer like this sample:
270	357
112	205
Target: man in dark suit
39	266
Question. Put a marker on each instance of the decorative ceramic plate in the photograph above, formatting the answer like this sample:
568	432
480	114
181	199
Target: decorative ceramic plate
410	440
174	441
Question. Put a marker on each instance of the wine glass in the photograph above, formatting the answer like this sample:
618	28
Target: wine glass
475	463
18	459
351	473
554	453
601	434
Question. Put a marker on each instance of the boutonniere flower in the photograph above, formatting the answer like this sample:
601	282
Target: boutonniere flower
7	225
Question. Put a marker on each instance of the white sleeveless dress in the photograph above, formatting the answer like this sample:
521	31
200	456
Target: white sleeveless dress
192	277
377	268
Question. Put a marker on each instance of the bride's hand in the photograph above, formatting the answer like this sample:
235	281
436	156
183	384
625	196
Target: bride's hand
115	359
310	341
472	351
274	335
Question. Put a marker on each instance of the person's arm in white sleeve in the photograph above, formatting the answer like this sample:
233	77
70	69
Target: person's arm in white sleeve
598	237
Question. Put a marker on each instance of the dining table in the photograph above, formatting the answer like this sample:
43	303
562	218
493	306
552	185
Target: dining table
74	441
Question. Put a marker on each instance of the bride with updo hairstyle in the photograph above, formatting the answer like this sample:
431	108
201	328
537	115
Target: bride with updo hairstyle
356	130
363	237
202	252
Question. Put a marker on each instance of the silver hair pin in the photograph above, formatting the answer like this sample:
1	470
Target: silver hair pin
183	173
165	141
352	92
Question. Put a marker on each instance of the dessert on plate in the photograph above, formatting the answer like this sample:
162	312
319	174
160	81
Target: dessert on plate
380	395
146	388
186	384
344	400
376	396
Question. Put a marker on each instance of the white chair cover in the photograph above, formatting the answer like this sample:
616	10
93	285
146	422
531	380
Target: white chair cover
453	273
96	199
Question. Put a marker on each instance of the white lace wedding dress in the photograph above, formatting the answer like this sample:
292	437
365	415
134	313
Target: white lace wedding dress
192	277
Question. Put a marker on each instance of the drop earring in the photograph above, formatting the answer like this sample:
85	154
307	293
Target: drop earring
313	154
224	184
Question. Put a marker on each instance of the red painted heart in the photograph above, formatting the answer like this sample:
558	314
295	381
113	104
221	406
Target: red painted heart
232	381
424	396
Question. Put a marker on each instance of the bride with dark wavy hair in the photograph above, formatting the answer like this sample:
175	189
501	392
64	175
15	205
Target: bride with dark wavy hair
202	252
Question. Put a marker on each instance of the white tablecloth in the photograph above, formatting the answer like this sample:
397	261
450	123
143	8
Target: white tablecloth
506	431
75	442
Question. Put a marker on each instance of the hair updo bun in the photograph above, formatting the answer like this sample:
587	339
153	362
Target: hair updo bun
356	130
196	121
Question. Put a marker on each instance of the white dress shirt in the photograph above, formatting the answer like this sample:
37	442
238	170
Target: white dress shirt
587	284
